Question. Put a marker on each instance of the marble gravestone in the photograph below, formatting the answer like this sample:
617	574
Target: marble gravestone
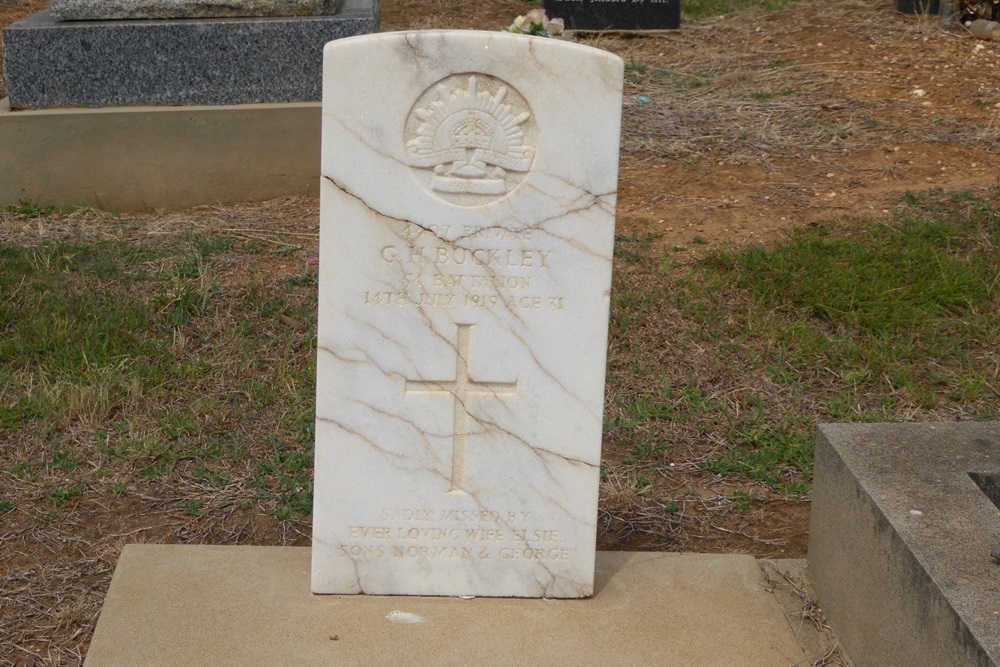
467	224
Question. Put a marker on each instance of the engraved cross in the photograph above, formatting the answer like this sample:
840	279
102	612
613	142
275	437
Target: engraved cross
460	388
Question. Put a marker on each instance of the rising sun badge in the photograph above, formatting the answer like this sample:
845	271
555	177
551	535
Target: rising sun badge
472	135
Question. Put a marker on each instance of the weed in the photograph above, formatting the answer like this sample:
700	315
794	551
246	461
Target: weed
742	499
253	246
24	470
634	71
291	469
193	507
632	248
29	209
835	133
6	506
63	460
154	471
59	494
299	280
204	474
695	81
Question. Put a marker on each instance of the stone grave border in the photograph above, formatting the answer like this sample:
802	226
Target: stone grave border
146	158
900	542
133	158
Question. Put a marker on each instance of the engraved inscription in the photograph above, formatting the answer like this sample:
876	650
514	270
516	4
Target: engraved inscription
460	389
435	275
440	534
487	257
470	138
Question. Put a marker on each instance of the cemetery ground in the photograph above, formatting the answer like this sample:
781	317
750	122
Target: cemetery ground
808	225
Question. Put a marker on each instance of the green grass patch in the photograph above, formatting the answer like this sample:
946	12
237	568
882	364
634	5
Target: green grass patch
160	375
692	10
750	349
908	306
780	456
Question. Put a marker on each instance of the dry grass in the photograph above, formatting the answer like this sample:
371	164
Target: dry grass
793	590
754	89
734	90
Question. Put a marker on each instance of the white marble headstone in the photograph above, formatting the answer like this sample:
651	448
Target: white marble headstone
467	224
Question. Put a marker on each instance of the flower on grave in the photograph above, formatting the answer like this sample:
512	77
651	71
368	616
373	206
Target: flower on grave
535	22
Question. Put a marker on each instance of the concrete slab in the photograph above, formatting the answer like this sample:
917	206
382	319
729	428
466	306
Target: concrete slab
218	605
140	158
900	542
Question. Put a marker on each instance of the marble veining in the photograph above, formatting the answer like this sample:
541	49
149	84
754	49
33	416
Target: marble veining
467	228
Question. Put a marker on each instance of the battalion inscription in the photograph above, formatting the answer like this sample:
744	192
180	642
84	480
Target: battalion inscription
451	276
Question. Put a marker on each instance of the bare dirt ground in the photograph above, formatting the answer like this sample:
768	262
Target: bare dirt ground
736	130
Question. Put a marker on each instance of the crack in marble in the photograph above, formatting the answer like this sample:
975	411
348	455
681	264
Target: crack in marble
549	498
367	360
540	452
496	315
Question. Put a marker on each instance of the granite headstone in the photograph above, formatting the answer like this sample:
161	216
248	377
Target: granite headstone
616	14
466	241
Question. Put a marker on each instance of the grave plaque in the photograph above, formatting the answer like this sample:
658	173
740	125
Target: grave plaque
467	224
616	14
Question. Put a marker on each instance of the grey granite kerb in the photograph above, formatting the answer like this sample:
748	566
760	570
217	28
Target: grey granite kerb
97	10
155	62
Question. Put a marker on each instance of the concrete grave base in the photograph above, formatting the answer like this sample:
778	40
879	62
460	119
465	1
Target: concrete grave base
234	605
138	158
900	542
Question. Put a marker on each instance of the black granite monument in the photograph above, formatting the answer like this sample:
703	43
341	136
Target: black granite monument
616	14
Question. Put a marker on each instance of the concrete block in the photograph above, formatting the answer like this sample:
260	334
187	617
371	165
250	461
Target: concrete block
206	61
231	605
140	158
900	542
